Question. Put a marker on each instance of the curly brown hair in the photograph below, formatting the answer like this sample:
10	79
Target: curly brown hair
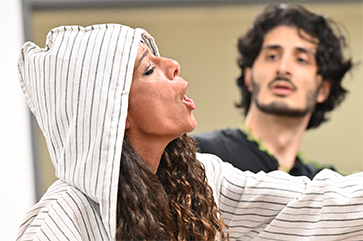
176	203
331	42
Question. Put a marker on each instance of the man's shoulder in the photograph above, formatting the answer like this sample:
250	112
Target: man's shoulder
307	167
219	135
229	144
233	146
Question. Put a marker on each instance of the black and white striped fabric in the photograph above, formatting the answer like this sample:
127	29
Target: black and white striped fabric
277	206
78	87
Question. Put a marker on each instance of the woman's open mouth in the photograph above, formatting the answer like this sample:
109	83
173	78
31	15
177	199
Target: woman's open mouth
189	102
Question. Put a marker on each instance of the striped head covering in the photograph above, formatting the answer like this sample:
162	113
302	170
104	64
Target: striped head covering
78	88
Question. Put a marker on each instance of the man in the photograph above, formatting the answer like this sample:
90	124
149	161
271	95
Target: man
292	66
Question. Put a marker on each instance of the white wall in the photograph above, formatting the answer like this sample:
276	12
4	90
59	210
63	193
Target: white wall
16	171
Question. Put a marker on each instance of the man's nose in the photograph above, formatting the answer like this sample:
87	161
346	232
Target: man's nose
284	67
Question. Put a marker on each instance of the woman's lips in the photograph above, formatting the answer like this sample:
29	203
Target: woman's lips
189	102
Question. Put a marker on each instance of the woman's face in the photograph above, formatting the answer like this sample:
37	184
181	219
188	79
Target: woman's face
158	106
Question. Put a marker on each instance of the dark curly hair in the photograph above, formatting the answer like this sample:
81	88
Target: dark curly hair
329	56
176	203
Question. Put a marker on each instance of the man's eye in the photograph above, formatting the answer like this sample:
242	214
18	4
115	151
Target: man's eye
271	56
149	71
302	61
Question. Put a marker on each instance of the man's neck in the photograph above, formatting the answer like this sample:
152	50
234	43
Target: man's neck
280	135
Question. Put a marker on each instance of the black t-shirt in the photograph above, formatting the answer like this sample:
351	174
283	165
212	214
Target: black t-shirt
232	146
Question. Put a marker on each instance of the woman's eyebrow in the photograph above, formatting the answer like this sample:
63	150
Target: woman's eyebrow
142	57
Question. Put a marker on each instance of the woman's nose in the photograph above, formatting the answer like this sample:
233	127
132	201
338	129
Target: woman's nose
172	68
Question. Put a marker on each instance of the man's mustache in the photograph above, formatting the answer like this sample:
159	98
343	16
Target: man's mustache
282	79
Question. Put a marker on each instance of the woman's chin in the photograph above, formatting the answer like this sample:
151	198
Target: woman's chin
187	127
193	124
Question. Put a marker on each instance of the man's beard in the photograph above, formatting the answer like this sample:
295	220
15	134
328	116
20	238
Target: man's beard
280	108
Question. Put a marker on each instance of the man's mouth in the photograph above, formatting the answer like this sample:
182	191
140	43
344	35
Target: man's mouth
282	86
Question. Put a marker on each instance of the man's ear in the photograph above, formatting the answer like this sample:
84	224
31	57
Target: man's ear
324	91
248	78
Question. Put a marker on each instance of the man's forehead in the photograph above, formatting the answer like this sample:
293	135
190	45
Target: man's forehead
284	37
296	49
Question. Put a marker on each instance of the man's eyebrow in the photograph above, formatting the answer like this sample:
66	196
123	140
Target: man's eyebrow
306	50
272	46
142	57
299	49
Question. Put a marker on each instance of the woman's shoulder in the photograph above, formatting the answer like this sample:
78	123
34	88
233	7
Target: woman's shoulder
63	210
215	168
212	162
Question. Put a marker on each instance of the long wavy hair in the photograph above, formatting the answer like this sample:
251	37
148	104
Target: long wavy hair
176	203
329	57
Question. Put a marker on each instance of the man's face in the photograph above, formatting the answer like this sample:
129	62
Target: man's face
283	79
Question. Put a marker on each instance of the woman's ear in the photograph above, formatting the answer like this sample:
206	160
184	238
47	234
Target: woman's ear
127	124
248	78
324	91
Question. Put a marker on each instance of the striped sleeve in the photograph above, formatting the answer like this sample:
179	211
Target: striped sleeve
277	206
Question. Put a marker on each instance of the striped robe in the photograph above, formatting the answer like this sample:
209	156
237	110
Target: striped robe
277	206
78	88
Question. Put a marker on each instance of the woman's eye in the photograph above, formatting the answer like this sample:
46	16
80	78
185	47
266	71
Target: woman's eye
149	71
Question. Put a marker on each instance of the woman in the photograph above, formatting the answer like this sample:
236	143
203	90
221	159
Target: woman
78	89
114	115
